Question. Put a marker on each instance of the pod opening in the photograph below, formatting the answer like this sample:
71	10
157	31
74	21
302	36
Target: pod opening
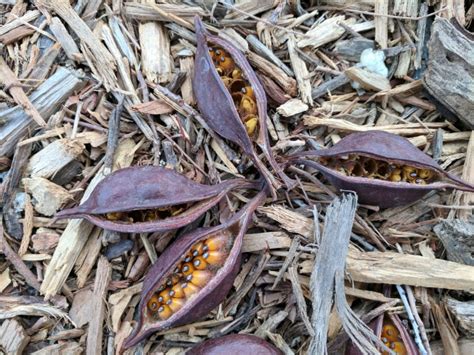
145	215
192	272
358	165
239	87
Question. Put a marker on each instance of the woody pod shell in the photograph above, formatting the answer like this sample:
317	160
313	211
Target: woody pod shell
149	187
217	106
209	296
384	146
235	344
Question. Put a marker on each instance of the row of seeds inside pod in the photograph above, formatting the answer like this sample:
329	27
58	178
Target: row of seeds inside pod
192	273
145	215
361	166
392	339
240	89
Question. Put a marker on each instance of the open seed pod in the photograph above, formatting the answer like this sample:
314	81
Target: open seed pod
389	328
235	344
382	168
149	199
232	100
192	276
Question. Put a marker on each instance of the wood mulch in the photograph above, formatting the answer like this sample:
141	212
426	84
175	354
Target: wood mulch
89	87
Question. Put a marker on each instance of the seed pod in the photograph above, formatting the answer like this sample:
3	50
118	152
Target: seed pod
184	284
382	168
235	344
232	100
389	328
149	198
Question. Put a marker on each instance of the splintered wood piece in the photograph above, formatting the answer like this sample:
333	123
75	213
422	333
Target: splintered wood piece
70	348
47	99
96	327
403	269
263	241
450	73
48	197
155	47
457	237
301	72
186	66
291	221
292	107
65	39
55	156
381	23
463	312
327	31
368	80
13	337
119	302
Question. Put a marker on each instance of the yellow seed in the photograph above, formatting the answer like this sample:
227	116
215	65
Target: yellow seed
178	291
247	90
164	312
199	263
200	278
395	177
175	304
115	216
217	242
187	269
189	289
236	74
425	174
226	63
399	348
215	258
390	332
251	125
247	106
164	296
153	303
197	249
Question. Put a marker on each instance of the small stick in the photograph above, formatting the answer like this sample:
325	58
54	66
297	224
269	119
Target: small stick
113	133
414	324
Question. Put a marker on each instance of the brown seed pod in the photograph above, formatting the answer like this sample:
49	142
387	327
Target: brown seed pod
389	328
192	276
232	100
382	168
149	199
235	344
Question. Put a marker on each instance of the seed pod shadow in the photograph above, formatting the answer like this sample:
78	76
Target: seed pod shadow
219	108
382	168
149	199
210	284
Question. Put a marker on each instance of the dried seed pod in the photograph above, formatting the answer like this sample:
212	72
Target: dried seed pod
149	198
227	91
382	168
203	287
235	344
391	331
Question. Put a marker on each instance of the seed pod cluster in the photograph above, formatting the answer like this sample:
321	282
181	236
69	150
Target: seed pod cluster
384	169
149	199
193	275
233	101
234	344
